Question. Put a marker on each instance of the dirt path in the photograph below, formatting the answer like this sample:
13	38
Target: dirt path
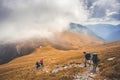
59	68
83	76
88	75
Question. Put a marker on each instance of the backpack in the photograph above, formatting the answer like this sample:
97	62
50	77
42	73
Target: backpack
41	61
37	64
87	56
95	58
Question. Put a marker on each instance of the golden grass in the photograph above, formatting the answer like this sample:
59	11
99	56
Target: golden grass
110	69
23	68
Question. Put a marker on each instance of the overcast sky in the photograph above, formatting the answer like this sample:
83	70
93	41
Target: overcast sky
43	17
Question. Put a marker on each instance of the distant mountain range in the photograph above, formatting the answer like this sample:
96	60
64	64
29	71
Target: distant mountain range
83	30
106	31
114	36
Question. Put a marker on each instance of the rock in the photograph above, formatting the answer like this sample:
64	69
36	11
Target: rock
83	76
55	70
110	59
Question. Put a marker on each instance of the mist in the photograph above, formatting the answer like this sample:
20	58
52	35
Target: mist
42	18
24	19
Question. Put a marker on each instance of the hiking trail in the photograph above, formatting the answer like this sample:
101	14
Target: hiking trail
87	75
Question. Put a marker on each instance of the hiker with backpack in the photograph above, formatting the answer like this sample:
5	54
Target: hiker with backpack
41	62
37	65
95	61
87	56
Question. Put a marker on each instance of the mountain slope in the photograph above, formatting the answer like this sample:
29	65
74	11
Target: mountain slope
104	30
78	40
114	36
7	52
83	30
23	68
63	41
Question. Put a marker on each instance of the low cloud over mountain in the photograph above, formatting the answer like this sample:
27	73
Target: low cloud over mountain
23	19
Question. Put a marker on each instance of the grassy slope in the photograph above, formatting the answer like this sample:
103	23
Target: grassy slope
63	41
23	68
109	69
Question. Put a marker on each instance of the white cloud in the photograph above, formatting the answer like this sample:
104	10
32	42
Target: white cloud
40	17
27	18
102	10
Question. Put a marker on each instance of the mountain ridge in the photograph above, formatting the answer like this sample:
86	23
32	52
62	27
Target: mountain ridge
104	30
83	30
63	41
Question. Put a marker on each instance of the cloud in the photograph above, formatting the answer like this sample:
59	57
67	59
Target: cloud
101	8
27	18
21	19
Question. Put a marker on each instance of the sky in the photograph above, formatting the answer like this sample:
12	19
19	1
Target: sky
21	19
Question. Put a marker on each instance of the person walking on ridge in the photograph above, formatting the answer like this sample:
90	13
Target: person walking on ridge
87	57
95	61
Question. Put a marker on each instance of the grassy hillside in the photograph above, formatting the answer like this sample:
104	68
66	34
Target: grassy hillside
63	41
23	68
111	68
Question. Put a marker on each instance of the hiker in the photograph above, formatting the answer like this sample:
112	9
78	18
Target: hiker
95	61
37	65
41	63
87	58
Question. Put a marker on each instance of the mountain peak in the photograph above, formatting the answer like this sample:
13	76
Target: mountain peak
82	29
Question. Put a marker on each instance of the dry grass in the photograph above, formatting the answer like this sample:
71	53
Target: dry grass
111	69
23	68
108	69
67	74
